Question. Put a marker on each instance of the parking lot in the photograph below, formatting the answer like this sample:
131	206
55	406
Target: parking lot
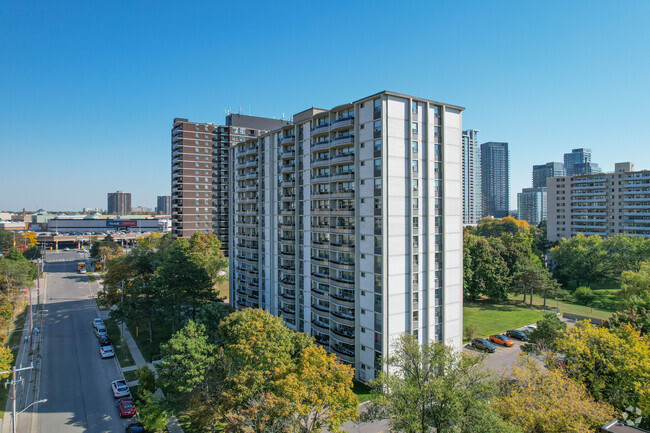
502	360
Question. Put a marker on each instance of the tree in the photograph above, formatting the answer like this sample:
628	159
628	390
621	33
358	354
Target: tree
539	401
205	250
6	358
32	253
318	391
583	295
487	271
544	337
613	364
16	274
6	240
6	312
533	278
625	253
153	412
634	315
635	286
432	386
146	378
580	259
211	316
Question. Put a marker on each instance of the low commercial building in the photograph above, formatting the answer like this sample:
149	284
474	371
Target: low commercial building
105	224
605	204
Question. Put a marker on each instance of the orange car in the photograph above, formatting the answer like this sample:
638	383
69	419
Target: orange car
501	339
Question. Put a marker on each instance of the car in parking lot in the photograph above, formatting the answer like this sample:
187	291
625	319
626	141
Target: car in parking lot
106	351
135	427
501	339
483	344
126	406
530	328
104	340
519	335
97	321
120	388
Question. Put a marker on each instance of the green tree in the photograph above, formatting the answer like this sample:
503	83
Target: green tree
16	275
32	253
634	315
486	272
211	316
6	240
539	401
532	278
613	364
146	378
205	250
581	259
432	386
153	412
544	337
584	295
635	286
625	253
6	358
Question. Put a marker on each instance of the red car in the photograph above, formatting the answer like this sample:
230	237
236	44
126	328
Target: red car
501	339
126	406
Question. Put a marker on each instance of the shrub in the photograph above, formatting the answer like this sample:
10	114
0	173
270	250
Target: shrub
146	378
584	295
470	332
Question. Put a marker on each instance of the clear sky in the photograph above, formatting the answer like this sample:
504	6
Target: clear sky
88	89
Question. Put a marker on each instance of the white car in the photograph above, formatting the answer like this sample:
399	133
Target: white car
530	328
106	352
120	388
97	321
82	271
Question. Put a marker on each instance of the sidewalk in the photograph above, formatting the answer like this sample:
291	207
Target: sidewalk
172	425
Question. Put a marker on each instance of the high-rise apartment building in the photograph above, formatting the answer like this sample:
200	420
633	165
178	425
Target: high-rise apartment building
531	204
164	205
200	153
579	162
119	203
472	207
544	171
604	204
347	224
495	179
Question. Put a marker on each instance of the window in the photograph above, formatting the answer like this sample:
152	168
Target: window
377	126
416	222
416	242
414	107
415	184
415	204
377	145
414	127
414	146
415	165
377	104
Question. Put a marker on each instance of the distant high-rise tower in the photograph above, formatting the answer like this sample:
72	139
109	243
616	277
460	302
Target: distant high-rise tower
119	203
544	171
579	162
164	206
495	179
531	204
471	177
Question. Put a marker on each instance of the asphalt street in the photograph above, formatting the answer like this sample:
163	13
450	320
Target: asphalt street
74	379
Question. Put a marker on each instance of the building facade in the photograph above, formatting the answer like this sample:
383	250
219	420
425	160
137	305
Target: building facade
164	205
531	204
604	204
472	204
544	171
348	225
119	203
200	153
579	162
495	179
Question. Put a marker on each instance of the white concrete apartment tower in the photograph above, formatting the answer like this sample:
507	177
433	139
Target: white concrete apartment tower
348	225
472	211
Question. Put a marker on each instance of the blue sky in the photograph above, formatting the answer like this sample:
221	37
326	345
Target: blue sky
88	89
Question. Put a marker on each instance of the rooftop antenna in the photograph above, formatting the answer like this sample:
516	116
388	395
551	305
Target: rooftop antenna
249	110
240	109
282	116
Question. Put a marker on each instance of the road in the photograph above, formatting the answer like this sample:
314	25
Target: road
75	380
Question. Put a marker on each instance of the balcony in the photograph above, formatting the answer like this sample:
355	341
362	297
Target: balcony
343	335
287	312
343	193
342	265
320	259
339	282
320	278
288	197
343	158
320	308
324	228
341	300
342	123
320	195
287	182
342	246
320	210
349	176
288	254
288	139
344	354
342	318
320	129
344	140
344	229
320	162
320	326
320	145
288	154
287	168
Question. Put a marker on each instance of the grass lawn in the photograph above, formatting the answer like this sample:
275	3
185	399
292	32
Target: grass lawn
494	318
15	333
130	376
567	307
362	391
91	278
162	332
121	350
222	290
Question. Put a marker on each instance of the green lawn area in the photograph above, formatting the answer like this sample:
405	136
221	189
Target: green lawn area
121	350
362	391
222	289
130	376
567	307
91	277
15	333
162	332
494	318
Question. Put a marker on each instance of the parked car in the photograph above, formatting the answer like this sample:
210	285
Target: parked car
120	388
519	335
501	339
100	330
104	340
483	344
530	328
126	406
135	427
97	321
106	351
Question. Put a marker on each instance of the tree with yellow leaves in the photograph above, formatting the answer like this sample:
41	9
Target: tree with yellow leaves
539	401
613	364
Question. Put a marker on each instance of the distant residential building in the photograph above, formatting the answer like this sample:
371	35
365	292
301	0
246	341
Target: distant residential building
141	209
200	172
119	203
472	207
495	179
164	205
531	204
579	162
347	224
604	204
544	171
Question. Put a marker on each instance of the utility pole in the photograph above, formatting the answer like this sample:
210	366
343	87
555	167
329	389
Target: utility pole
13	391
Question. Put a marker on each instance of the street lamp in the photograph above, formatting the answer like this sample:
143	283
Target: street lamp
36	402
